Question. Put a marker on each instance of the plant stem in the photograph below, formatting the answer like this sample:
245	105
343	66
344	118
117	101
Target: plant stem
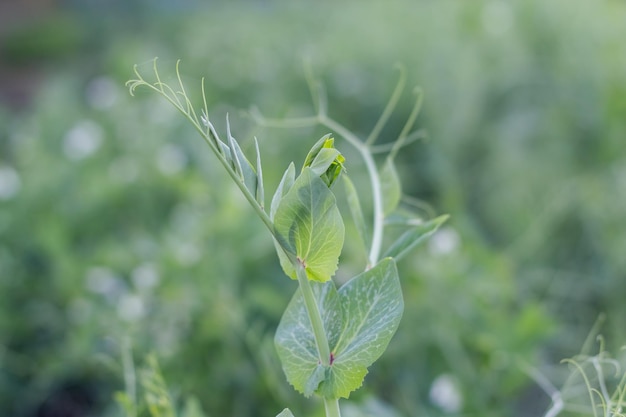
332	407
314	315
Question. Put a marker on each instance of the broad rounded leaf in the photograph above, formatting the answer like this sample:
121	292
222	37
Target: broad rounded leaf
295	341
308	224
359	321
372	306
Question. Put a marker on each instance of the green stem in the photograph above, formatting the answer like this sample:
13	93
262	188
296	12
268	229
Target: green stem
314	315
332	407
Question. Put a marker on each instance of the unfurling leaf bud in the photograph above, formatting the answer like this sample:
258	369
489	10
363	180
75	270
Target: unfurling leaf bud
324	160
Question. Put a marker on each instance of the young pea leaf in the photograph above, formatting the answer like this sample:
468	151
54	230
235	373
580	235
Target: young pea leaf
260	191
413	237
284	186
325	142
355	209
391	188
359	321
325	160
243	166
289	177
308	224
285	413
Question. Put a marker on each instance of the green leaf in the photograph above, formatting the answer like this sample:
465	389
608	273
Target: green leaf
192	408
285	413
391	188
156	394
260	190
308	224
242	166
355	209
284	186
289	177
295	341
359	321
373	305
325	160
413	237
325	142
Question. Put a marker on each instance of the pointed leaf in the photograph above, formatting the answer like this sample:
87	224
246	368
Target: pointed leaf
260	191
192	408
285	413
359	321
325	160
289	177
372	306
309	225
325	142
355	209
391	188
295	341
284	186
413	237
243	167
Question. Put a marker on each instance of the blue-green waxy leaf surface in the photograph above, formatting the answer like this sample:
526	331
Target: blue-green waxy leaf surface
308	225
285	413
295	341
359	319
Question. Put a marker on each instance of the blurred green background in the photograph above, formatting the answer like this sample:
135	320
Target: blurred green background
118	228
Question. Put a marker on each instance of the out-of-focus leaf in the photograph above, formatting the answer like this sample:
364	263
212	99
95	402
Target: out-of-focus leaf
242	166
391	188
193	408
413	237
355	209
260	190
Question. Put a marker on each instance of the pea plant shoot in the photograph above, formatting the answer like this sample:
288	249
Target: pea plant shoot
328	337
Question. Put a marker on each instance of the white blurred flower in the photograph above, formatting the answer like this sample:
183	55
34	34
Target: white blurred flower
83	139
145	277
103	281
444	241
10	182
123	169
171	159
130	307
497	17
79	310
187	253
101	93
445	394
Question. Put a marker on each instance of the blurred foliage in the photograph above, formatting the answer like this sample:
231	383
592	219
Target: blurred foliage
115	221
